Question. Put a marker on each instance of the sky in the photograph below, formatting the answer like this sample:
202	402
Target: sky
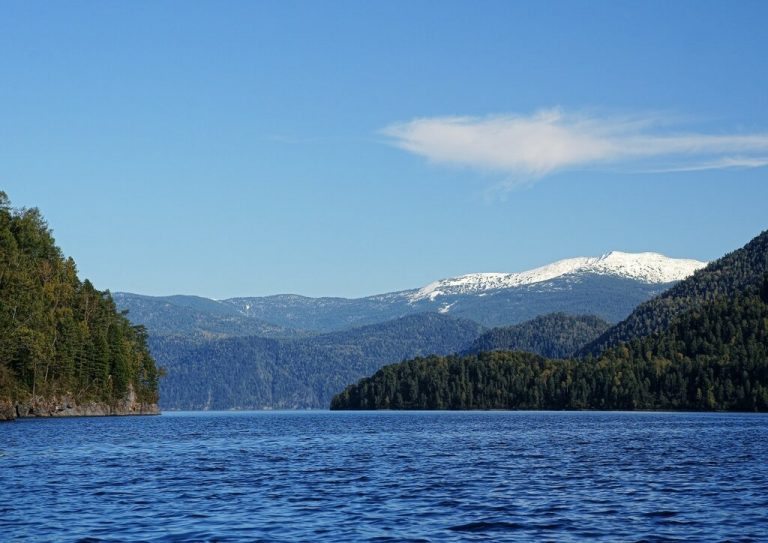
351	148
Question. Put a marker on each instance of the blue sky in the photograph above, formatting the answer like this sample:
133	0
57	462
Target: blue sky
350	148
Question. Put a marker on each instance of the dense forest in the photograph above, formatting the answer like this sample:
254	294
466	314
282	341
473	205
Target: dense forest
731	274
555	335
256	372
59	336
702	346
711	358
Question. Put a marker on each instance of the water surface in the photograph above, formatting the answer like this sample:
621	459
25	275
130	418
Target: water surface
330	476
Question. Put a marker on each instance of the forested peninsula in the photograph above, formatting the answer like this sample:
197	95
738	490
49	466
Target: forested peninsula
703	345
64	348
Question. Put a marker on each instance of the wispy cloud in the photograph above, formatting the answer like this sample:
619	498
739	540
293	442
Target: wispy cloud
526	147
720	164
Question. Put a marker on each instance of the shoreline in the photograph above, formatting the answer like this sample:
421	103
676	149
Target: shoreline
66	407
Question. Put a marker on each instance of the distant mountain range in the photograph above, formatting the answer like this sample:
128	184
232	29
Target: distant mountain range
609	286
257	373
195	317
290	351
701	345
650	268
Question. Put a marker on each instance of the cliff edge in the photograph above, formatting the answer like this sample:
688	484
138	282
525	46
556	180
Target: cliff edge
67	406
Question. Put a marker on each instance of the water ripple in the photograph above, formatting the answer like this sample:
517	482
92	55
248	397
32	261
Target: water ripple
324	476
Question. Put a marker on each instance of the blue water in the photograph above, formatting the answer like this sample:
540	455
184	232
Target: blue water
323	476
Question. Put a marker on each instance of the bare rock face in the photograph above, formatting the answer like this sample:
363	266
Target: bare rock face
7	410
66	406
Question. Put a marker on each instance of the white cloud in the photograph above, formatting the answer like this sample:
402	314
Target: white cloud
548	141
720	164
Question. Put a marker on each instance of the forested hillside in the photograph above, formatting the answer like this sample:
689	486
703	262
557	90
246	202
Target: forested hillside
256	373
195	317
59	336
732	274
714	357
556	335
703	345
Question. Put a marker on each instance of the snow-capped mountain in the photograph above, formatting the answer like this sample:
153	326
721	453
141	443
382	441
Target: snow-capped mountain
651	268
608	286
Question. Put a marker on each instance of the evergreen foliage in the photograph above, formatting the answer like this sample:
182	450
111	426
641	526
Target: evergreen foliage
556	335
255	372
711	353
712	358
59	335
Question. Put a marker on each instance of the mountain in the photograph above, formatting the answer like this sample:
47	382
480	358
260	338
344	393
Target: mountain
735	272
64	348
323	314
704	347
255	373
258	373
609	286
193	316
294	351
556	335
652	268
712	357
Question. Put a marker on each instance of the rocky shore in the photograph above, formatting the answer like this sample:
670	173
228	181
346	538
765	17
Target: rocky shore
68	407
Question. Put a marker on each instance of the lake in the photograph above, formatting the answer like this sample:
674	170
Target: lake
386	476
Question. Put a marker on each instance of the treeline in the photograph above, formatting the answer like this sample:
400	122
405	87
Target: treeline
714	357
556	335
58	335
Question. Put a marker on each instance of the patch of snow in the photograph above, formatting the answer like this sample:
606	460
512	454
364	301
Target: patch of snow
445	308
646	267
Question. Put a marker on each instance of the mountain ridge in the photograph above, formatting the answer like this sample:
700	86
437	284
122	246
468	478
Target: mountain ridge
555	335
648	267
254	372
609	286
700	346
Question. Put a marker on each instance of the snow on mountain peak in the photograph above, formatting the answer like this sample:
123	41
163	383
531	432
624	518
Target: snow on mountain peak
645	267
